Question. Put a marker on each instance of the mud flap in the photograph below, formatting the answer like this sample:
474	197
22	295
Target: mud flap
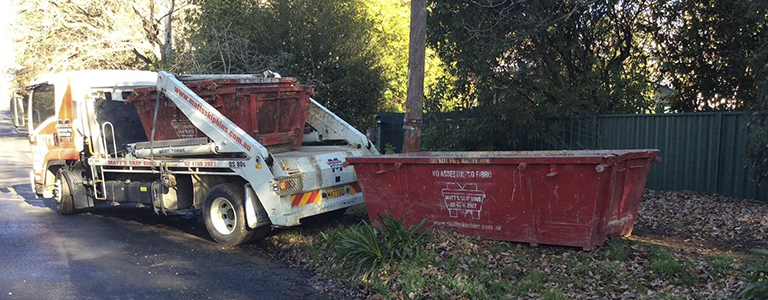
79	193
255	215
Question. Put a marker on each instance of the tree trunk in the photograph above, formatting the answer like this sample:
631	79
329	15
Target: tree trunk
416	57
168	42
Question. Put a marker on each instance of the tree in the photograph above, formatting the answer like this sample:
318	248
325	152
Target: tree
516	62
390	31
707	50
323	43
62	35
757	147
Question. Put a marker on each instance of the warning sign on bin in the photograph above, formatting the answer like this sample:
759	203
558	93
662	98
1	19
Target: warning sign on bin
466	199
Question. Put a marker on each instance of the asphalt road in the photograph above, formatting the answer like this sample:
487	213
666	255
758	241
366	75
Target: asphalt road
122	252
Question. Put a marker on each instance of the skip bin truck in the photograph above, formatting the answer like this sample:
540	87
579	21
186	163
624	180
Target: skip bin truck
253	151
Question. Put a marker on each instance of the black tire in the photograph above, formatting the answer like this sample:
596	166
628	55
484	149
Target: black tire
65	203
224	215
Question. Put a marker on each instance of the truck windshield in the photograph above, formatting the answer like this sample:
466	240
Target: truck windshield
42	104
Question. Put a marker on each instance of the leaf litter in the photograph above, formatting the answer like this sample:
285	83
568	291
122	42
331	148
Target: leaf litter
685	245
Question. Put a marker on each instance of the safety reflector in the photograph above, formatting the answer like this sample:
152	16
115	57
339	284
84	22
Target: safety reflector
306	198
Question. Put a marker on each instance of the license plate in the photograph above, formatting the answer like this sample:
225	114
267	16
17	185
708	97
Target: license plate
333	193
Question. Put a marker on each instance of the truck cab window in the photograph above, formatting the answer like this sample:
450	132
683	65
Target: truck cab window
43	101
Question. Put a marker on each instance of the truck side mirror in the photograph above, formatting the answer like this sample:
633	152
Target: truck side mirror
17	112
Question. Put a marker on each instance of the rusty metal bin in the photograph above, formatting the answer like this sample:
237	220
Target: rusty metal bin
571	198
272	111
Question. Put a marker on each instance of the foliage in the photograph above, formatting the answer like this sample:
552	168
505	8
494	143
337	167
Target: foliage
361	245
322	43
758	288
515	62
400	241
217	38
485	128
707	49
390	36
370	247
389	149
56	36
757	146
523	63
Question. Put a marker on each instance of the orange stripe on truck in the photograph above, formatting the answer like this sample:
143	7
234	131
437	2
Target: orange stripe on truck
355	188
306	198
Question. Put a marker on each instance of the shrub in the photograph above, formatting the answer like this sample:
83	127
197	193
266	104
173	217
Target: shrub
370	247
758	289
360	244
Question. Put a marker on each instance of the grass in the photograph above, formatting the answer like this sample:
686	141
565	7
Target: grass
412	278
617	249
581	268
662	262
496	249
668	267
552	294
721	264
530	283
670	296
371	247
632	282
610	268
291	236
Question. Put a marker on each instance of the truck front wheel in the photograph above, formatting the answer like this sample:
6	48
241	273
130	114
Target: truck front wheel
224	215
65	203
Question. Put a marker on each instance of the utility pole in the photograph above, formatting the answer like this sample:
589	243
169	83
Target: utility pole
414	101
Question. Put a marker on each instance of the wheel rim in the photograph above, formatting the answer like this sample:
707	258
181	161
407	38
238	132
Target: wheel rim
57	190
223	215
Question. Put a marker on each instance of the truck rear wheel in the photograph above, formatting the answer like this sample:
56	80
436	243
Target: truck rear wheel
65	203
224	215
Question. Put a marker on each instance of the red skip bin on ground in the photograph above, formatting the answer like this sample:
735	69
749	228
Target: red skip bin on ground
571	198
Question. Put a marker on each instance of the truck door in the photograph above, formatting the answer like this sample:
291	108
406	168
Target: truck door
50	134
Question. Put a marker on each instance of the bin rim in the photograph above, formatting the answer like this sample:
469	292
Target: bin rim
511	157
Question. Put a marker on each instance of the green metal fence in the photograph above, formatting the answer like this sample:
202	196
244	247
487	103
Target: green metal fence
703	152
389	130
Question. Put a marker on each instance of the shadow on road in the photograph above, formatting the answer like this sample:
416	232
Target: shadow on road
188	221
25	192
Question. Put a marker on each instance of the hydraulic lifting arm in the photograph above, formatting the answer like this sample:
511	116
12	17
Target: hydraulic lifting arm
334	128
229	138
